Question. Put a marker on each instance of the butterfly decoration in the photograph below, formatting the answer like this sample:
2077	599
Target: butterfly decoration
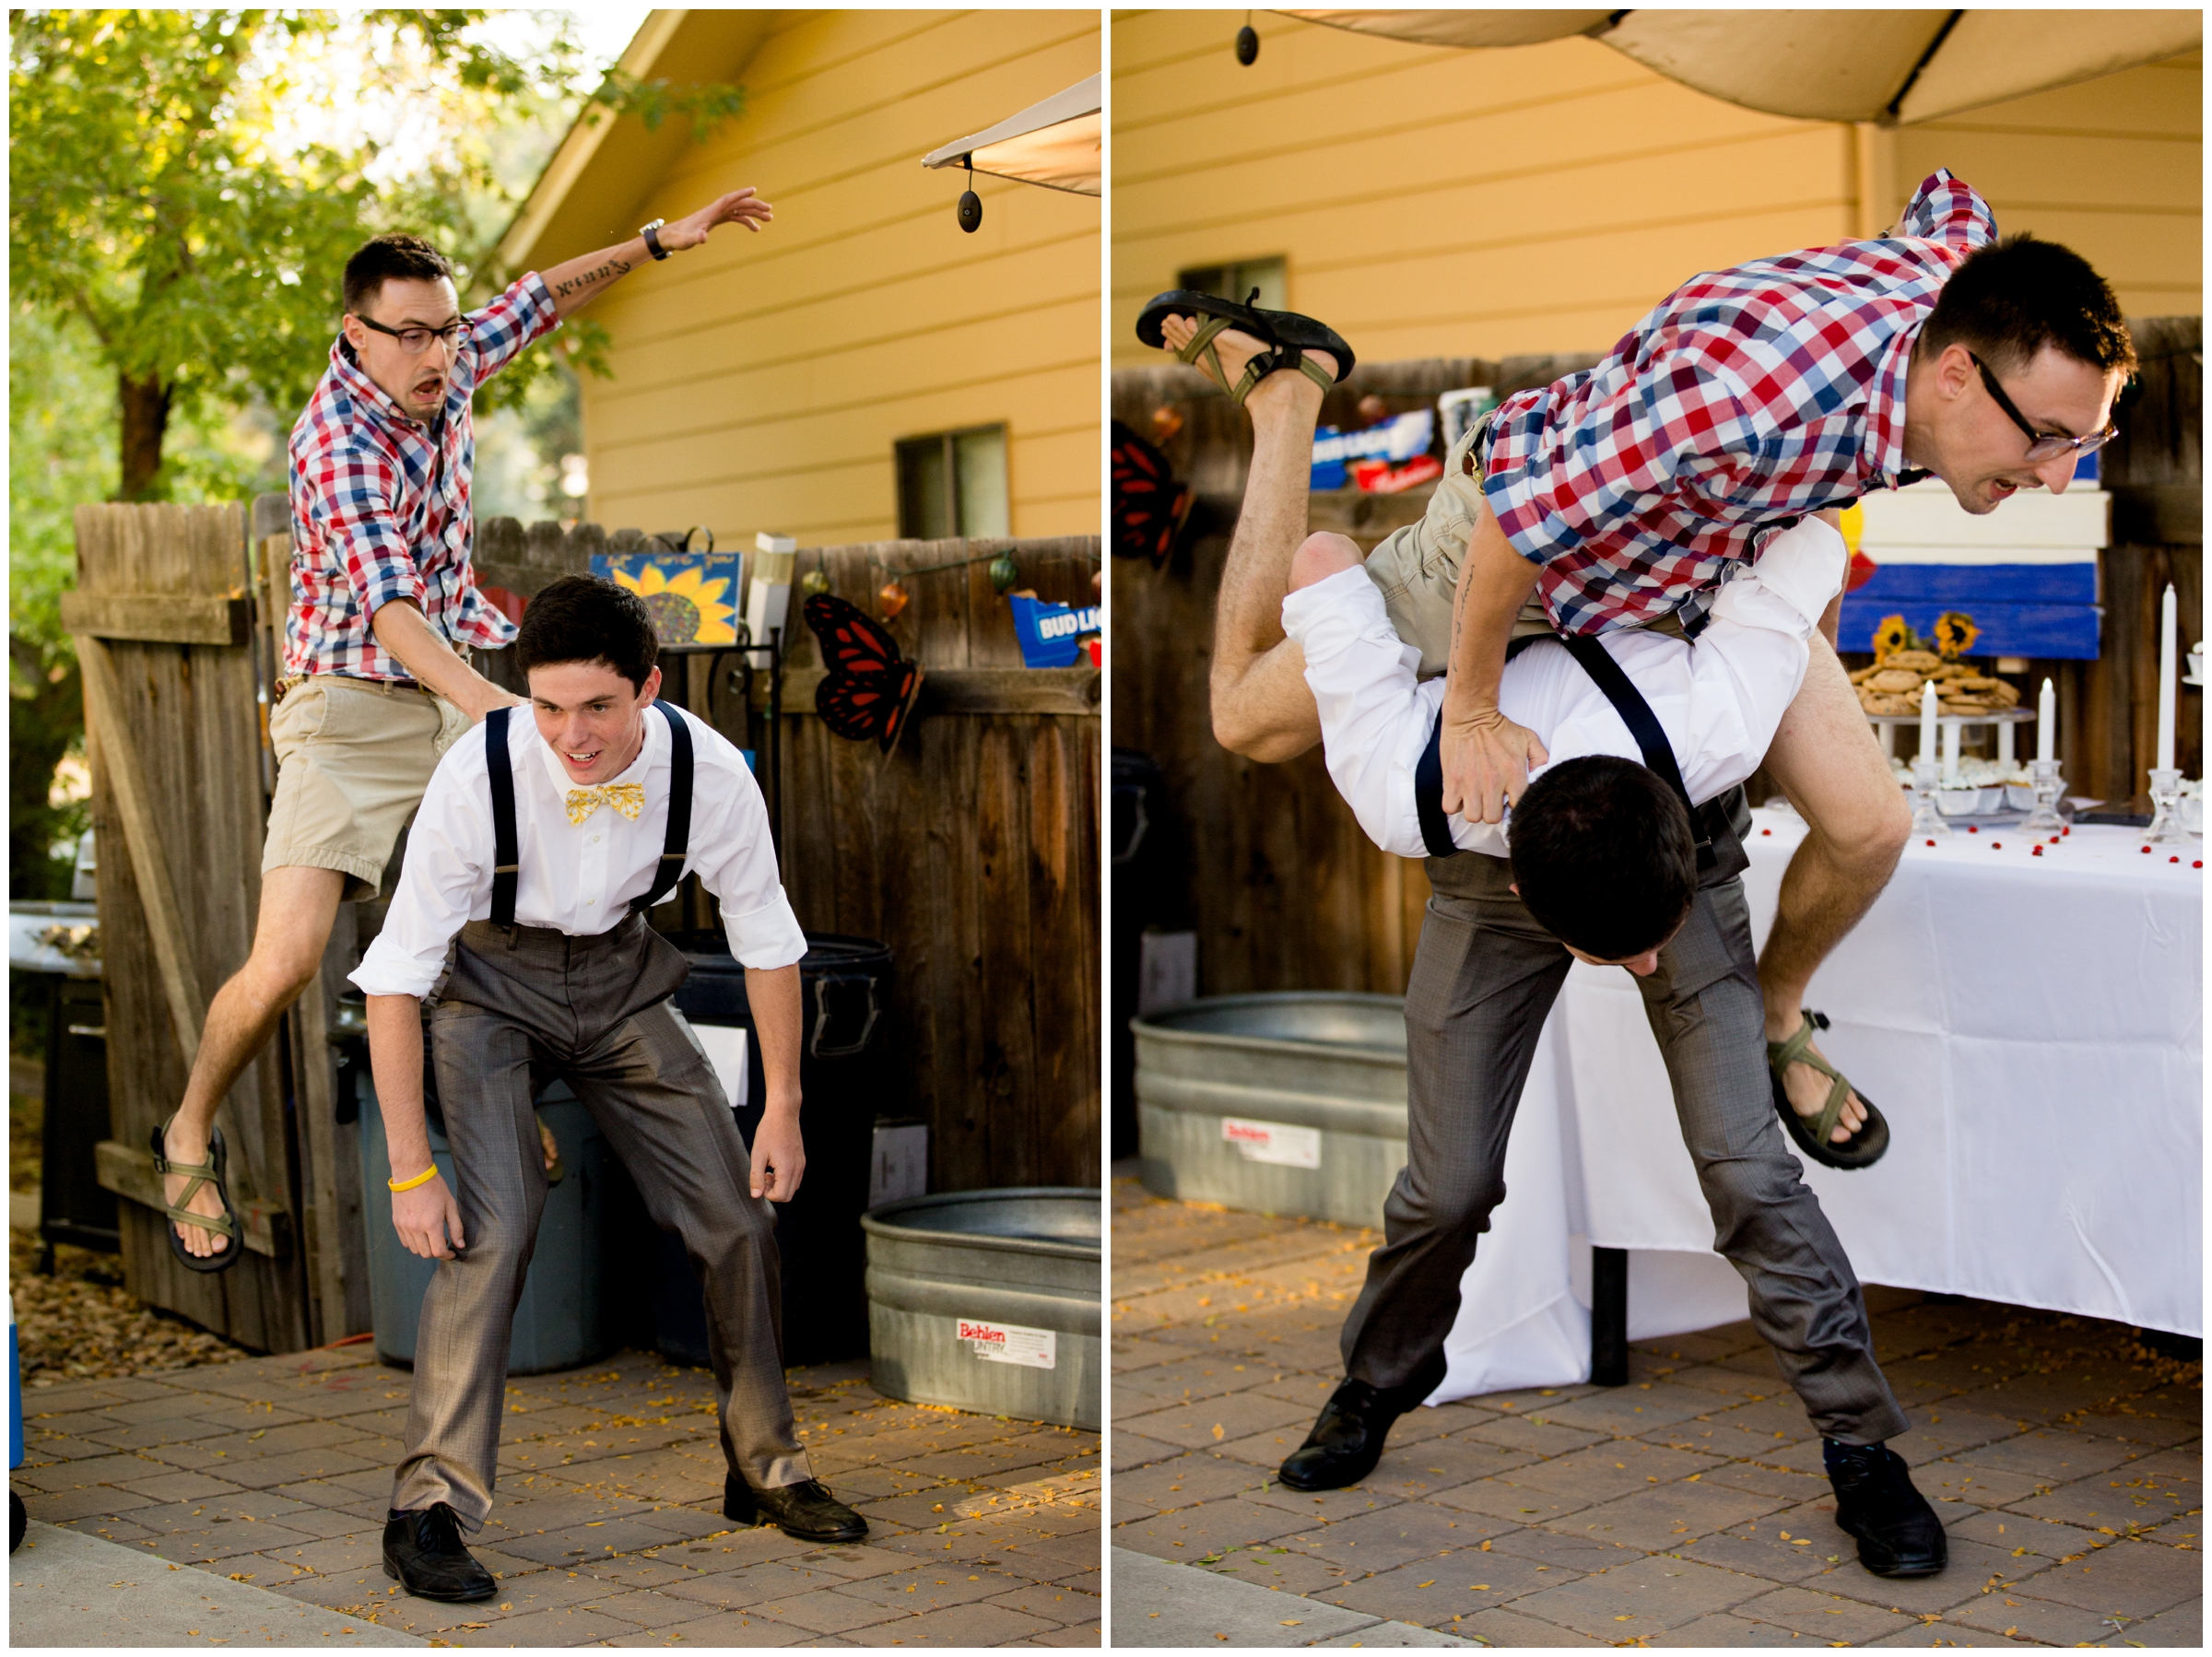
1150	508
869	688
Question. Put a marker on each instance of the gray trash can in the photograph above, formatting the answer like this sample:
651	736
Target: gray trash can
566	1316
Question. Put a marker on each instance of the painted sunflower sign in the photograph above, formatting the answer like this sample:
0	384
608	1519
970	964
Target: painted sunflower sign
691	596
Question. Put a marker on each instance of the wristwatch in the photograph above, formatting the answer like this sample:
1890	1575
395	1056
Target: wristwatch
653	240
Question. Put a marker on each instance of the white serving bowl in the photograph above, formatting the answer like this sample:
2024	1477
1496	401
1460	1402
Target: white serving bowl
1965	802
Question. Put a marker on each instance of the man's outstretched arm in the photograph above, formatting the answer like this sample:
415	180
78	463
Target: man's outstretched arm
578	282
1485	756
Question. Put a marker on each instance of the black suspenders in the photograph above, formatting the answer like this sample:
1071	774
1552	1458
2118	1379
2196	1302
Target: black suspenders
1628	701
506	856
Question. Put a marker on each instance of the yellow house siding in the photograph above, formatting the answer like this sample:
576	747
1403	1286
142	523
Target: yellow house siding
762	383
1434	201
2113	167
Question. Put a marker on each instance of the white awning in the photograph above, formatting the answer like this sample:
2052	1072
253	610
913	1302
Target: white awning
1054	142
1892	67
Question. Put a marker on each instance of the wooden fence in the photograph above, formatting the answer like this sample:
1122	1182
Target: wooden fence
971	851
163	627
1281	886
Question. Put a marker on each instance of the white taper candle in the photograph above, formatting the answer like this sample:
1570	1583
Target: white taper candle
2168	620
1927	721
2046	724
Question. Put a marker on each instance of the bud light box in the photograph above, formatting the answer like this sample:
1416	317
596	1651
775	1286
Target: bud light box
1052	635
1396	440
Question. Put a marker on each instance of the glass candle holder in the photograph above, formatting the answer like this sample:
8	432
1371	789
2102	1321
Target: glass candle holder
1927	821
2166	809
2049	785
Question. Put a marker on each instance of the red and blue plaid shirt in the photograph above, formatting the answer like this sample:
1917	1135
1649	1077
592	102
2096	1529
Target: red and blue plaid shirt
1749	397
380	502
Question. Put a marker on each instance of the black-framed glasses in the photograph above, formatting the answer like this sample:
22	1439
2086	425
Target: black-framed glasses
417	340
2042	445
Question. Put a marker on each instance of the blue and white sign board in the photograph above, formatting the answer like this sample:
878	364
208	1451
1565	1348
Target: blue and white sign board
1052	635
2027	572
1394	441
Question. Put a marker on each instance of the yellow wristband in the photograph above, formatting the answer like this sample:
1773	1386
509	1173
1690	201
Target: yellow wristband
423	1178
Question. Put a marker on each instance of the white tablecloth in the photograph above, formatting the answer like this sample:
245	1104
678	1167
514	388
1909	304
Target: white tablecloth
2032	1029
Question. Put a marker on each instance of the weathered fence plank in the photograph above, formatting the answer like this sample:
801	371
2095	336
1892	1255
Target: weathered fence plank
186	714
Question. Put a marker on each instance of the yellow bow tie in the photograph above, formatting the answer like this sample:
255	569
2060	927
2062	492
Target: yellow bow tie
628	798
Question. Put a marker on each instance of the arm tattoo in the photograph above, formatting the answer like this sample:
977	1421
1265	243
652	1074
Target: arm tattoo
612	268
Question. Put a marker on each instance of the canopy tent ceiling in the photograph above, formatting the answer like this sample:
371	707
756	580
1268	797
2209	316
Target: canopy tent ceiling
1892	67
1054	142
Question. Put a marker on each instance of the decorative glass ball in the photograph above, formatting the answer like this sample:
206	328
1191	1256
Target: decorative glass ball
1004	572
815	580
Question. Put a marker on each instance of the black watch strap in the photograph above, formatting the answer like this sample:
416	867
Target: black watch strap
651	232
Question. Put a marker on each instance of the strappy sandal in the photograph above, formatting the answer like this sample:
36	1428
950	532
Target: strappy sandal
1863	1148
224	1225
1288	334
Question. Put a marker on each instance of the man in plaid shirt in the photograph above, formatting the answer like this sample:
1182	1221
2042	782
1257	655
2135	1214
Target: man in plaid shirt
385	612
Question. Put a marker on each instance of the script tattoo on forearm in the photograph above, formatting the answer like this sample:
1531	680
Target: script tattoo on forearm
612	268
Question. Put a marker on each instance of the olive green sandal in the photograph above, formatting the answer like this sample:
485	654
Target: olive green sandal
1287	335
224	1225
1258	369
1863	1148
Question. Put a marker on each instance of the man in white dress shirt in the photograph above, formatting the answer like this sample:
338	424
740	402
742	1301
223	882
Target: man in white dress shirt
520	918
1624	850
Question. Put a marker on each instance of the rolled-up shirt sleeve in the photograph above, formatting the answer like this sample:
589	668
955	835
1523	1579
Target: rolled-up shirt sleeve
449	856
353	505
498	333
735	860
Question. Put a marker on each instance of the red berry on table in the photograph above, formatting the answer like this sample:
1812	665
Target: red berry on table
1972	830
1997	845
2035	852
2173	860
1931	842
2146	850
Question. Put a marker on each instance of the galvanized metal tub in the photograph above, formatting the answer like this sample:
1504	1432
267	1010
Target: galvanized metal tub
1291	1103
988	1300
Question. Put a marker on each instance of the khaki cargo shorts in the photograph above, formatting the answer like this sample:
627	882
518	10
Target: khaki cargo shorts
1417	567
353	756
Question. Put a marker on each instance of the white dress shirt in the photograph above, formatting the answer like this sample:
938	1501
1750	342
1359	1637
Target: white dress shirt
578	877
1719	701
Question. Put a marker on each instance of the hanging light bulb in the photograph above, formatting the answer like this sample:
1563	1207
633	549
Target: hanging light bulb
891	598
971	204
816	581
1248	42
1004	572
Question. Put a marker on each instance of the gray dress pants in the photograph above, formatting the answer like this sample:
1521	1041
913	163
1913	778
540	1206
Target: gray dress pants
1483	979
519	1006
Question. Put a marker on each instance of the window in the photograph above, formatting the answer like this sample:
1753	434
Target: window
953	484
1236	281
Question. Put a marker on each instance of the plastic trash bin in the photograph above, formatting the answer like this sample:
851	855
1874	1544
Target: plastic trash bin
566	1316
843	988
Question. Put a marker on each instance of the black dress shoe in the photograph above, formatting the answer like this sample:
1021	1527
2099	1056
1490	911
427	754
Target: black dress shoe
804	1512
1899	1532
423	1550
1346	1442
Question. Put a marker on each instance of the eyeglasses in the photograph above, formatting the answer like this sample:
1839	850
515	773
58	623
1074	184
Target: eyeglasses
415	341
2042	445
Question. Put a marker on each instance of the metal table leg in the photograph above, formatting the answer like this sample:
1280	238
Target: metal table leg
1609	1317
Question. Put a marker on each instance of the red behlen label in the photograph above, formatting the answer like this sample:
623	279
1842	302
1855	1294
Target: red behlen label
1273	1142
1008	1343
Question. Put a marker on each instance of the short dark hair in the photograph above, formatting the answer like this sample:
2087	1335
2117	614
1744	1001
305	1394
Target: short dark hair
2009	298
386	258
585	618
1603	856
